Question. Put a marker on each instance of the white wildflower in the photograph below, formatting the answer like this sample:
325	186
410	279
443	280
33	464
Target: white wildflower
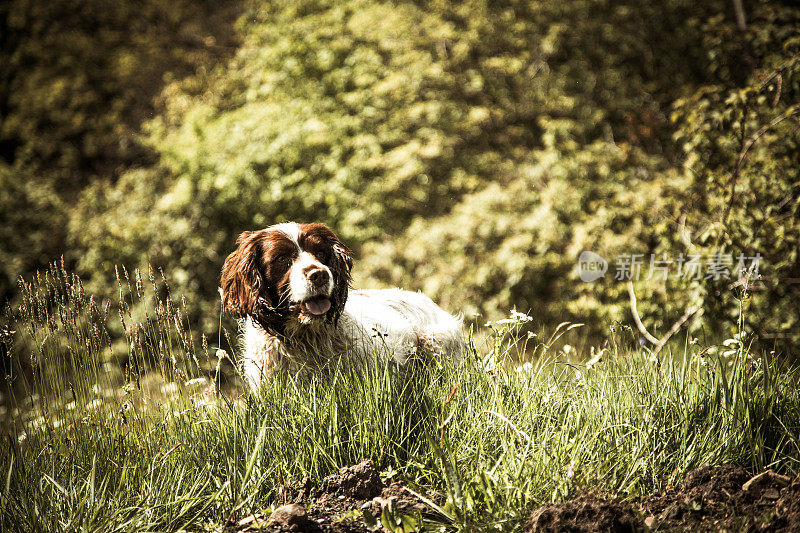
526	367
36	423
169	388
196	382
520	317
94	404
514	318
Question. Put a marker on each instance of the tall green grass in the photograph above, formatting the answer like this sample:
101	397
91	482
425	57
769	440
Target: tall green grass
157	446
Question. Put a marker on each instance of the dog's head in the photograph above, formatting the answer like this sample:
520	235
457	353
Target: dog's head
287	272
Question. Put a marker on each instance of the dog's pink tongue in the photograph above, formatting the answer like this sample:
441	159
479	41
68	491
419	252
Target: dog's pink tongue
317	307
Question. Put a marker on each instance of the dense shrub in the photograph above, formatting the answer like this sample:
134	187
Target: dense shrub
76	82
473	150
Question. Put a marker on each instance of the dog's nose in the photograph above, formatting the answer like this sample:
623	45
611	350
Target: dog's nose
318	276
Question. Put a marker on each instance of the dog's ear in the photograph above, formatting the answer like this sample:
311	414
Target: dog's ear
242	275
340	268
344	260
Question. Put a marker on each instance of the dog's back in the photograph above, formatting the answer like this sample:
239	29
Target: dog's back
390	324
400	322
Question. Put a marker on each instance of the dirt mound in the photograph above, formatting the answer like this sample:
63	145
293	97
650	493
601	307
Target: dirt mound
709	499
360	481
586	513
726	498
337	505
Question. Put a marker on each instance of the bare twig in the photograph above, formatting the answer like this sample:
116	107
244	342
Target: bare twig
636	318
659	344
779	71
676	326
741	20
683	234
778	88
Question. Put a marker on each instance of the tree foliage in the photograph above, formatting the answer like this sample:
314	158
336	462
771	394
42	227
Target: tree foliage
472	150
76	82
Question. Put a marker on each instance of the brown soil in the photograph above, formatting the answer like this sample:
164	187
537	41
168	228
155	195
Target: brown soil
337	504
709	499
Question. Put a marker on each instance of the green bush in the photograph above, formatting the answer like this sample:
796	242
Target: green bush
473	150
76	82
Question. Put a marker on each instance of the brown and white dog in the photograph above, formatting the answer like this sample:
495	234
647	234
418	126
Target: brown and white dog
290	284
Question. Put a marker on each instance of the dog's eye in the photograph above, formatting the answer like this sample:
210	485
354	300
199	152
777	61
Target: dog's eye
322	253
283	260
